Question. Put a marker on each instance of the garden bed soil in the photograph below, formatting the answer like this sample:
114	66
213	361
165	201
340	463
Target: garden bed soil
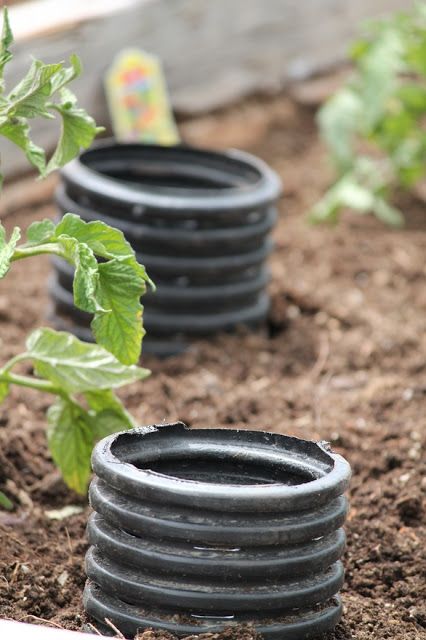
342	359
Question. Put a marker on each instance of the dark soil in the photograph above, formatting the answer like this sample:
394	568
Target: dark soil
342	359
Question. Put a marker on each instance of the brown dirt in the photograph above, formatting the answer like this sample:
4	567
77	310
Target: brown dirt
343	360
243	632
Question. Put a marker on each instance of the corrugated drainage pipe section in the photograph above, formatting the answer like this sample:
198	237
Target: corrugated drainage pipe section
196	529
198	220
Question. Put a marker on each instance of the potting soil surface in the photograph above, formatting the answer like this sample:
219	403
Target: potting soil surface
342	359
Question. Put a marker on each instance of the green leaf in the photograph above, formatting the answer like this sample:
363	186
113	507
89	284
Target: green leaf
104	240
4	390
73	432
413	98
78	131
7	248
379	70
6	41
70	439
65	75
28	99
345	193
110	290
35	95
120	328
108	412
5	503
86	276
76	366
338	121
40	232
385	212
361	189
17	131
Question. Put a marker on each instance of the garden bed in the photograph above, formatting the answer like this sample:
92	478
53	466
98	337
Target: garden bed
342	359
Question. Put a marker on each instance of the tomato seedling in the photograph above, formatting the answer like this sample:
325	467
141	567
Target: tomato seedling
108	283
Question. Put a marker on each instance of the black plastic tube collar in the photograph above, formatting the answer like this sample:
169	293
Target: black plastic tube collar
195	529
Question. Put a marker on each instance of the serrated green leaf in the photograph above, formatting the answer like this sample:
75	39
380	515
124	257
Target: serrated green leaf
35	96
75	366
108	422
116	290
6	41
5	503
7	248
65	75
120	328
40	232
4	390
28	99
70	439
104	240
17	131
86	276
110	290
109	413
105	399
77	132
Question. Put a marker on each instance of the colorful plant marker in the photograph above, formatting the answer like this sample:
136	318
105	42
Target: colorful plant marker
138	101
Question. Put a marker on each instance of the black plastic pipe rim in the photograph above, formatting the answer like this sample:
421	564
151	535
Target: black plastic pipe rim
144	180
198	220
196	529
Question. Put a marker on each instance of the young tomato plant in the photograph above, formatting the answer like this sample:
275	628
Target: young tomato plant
108	283
375	126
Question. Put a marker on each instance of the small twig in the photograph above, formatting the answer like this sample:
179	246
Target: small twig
114	628
93	628
15	572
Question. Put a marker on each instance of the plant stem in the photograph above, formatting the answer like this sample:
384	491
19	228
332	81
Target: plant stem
32	383
26	252
9	365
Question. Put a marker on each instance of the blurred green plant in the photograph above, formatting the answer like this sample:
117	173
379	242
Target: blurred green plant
375	125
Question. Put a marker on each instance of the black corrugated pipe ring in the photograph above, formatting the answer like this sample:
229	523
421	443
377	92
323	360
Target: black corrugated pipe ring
199	222
148	238
196	529
165	324
184	298
172	184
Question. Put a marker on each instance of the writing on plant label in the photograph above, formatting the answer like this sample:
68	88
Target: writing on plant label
138	101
